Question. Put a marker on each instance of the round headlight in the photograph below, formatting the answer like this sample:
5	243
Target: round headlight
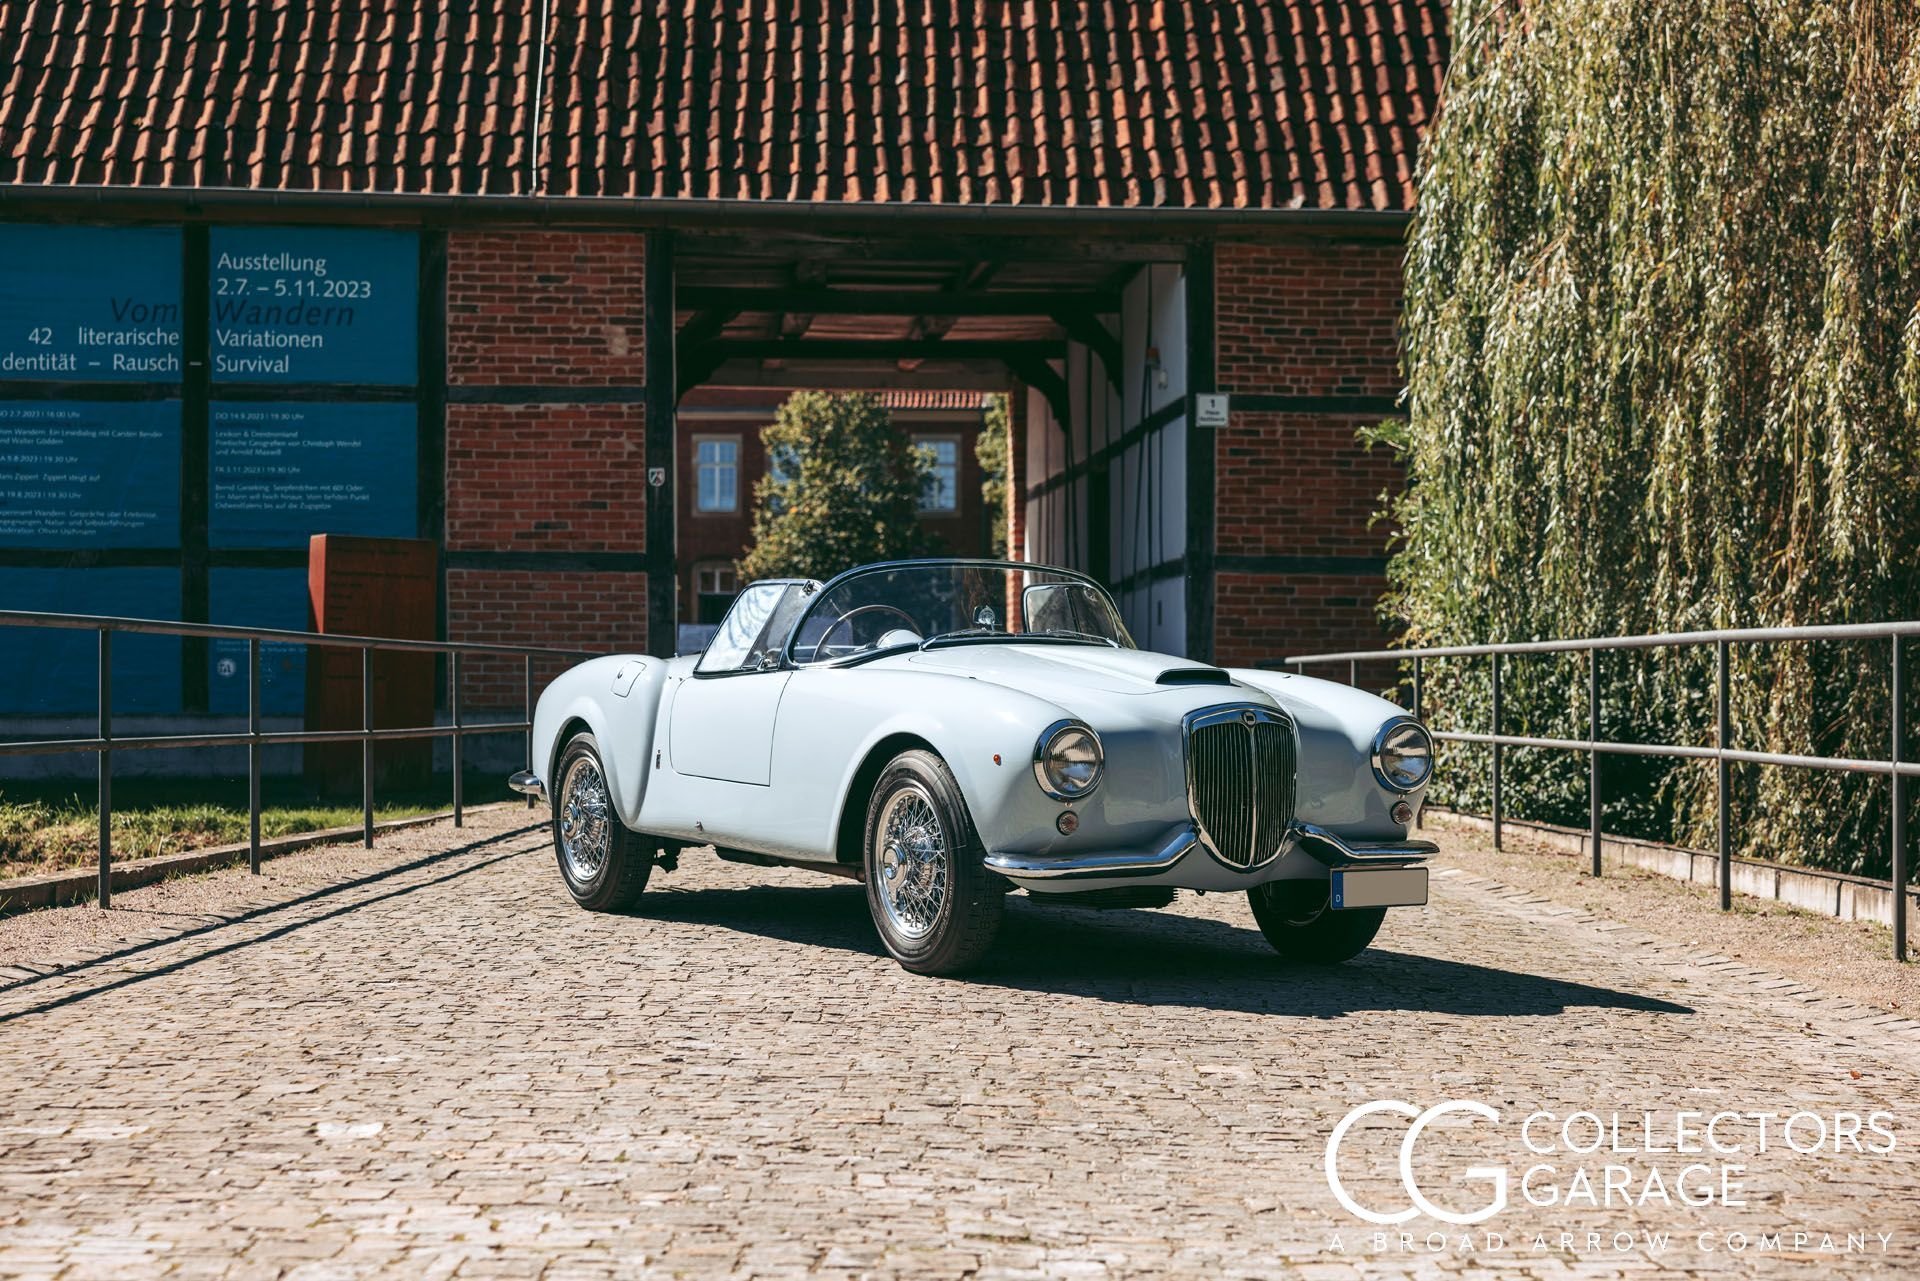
1403	755
1067	761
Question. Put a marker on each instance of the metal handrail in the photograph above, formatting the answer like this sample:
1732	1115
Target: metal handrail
1895	767
104	743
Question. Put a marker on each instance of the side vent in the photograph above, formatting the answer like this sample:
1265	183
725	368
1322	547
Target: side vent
1194	676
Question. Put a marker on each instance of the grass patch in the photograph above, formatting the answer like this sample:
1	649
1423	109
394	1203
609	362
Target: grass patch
54	827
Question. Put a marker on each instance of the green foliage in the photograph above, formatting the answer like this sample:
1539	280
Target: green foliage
844	489
46	828
990	447
1663	349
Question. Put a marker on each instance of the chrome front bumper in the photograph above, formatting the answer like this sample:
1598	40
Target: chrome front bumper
526	784
1171	854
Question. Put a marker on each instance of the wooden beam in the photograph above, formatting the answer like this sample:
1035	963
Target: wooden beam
886	349
896	302
663	376
1090	331
691	342
967	375
1038	374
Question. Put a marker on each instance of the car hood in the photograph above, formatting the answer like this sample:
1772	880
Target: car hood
1053	670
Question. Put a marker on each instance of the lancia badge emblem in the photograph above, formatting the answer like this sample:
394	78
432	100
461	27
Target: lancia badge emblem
1248	717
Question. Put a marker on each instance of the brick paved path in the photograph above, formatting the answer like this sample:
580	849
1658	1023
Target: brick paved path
446	1069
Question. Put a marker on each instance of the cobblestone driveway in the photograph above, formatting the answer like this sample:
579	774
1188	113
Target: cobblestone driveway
446	1069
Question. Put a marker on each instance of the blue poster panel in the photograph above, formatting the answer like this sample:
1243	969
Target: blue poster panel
283	472
314	305
83	474
56	673
257	598
89	304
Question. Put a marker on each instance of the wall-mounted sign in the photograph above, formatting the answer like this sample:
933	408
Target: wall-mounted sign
87	474
257	598
56	673
314	305
283	472
89	304
1210	409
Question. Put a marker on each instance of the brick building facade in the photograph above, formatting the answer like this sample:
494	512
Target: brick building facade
1228	219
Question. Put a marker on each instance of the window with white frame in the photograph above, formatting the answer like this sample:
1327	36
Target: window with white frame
942	493
716	461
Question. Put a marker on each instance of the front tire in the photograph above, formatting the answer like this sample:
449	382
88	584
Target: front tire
934	902
1295	917
604	865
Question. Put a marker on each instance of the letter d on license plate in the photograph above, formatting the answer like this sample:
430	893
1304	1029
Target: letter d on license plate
1379	887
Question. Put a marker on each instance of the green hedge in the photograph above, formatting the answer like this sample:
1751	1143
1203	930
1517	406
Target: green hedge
1663	356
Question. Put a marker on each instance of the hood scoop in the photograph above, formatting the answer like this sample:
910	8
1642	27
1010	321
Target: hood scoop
1193	676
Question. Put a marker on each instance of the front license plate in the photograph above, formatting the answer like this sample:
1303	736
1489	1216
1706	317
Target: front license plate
1379	887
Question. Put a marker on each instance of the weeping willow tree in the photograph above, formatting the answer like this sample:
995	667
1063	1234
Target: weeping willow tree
1663	354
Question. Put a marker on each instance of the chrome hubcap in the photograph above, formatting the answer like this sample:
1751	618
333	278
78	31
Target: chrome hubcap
585	831
912	861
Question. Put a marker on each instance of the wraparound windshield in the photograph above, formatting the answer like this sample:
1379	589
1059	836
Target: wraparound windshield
953	603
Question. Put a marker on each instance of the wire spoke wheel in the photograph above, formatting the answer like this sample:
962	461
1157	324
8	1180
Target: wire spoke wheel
585	815
913	862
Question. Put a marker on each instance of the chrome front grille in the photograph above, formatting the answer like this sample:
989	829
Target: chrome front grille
1240	781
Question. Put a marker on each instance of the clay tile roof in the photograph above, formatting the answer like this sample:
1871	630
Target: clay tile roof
1266	104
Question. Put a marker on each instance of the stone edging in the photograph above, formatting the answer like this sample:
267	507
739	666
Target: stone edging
1835	894
24	894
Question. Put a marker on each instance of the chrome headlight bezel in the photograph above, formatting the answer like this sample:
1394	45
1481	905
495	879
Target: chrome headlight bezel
1391	778
1044	755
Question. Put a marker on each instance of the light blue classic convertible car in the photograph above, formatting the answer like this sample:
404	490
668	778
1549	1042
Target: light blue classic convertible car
947	731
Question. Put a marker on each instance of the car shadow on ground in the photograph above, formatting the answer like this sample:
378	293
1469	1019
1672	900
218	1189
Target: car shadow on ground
1161	958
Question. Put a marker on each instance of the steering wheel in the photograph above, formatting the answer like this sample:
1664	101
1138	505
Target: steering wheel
856	612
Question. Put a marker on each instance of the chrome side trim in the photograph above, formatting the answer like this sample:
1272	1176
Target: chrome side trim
1124	863
525	782
1337	850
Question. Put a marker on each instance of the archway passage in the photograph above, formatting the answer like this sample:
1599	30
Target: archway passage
1064	326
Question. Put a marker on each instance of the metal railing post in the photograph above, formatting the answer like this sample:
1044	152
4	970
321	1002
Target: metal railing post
105	691
1353	673
1496	751
453	710
1899	806
1593	757
1723	733
253	755
526	712
366	745
1419	815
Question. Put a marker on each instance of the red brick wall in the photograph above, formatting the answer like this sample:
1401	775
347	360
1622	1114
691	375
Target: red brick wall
533	308
603	612
1297	484
546	478
1299	565
543	309
1308	319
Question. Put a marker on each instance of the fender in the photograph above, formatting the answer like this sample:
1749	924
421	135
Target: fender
1336	724
618	699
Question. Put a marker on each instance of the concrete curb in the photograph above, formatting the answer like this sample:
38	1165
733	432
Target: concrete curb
28	893
1835	894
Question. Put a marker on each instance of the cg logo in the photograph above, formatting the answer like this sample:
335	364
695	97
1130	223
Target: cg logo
1496	1175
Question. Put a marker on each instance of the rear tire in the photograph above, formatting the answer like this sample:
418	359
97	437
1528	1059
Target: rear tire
605	866
934	902
1297	921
